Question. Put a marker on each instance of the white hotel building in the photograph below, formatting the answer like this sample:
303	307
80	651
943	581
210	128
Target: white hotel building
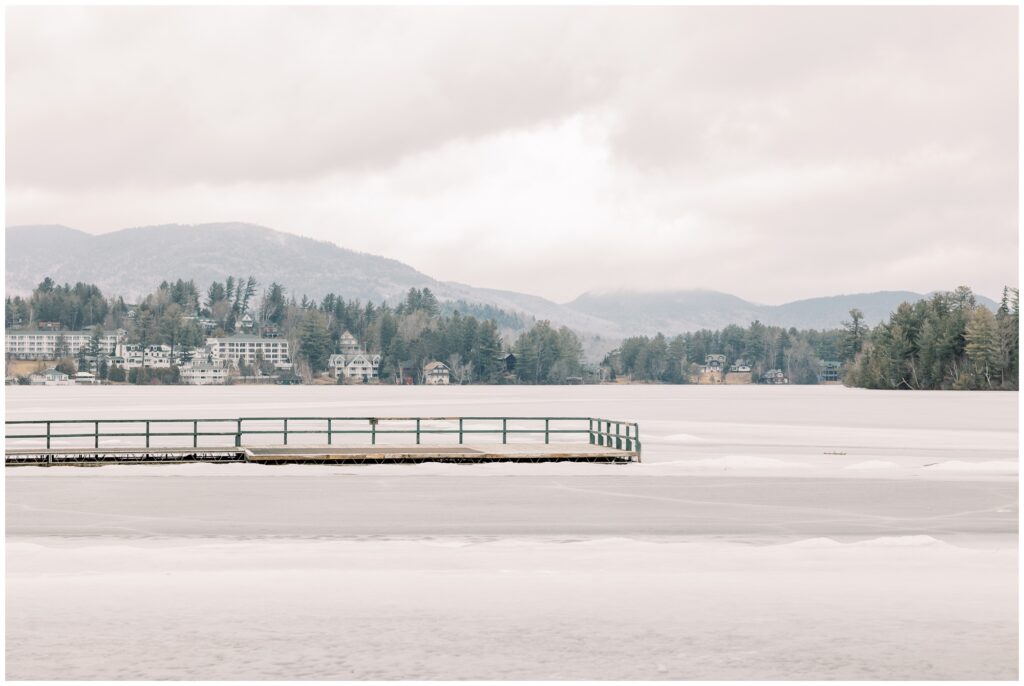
245	347
43	345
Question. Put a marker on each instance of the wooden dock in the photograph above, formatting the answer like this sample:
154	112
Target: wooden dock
322	455
342	440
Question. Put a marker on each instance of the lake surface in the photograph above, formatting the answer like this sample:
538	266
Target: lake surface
771	532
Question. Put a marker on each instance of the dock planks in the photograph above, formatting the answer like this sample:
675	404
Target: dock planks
376	454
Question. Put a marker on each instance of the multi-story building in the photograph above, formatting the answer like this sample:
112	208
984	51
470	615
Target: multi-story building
353	363
246	347
135	355
49	345
199	372
358	366
831	371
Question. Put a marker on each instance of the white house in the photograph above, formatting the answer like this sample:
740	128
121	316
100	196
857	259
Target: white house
436	374
245	347
348	343
199	372
85	378
714	363
50	377
358	366
134	355
775	376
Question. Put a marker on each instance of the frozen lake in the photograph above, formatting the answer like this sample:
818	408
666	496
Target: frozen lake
775	533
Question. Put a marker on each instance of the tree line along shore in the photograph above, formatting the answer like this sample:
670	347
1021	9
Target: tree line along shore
946	341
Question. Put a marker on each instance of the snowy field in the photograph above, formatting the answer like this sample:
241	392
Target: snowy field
771	533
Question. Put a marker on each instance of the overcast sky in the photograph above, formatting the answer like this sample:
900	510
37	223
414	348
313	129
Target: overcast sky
771	153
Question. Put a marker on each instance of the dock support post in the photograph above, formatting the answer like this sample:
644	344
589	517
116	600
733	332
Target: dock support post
47	435
96	435
417	431
328	431
147	433
547	426
286	431
636	432
590	430
618	438
238	434
504	430
195	433
373	432
460	430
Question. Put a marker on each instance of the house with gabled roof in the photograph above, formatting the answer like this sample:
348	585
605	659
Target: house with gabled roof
358	366
436	374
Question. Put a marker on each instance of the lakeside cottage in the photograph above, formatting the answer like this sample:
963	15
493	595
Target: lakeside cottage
714	363
50	377
353	363
436	374
830	371
347	343
775	376
201	372
509	361
359	366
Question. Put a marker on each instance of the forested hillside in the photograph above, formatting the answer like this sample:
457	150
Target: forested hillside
947	341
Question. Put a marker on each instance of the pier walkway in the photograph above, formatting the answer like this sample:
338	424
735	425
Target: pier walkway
320	440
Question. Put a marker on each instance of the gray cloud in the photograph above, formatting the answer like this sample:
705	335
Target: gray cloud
771	152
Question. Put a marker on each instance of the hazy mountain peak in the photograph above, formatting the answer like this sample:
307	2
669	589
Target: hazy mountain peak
133	262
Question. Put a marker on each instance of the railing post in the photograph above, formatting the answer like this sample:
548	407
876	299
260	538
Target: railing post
618	438
417	431
96	435
286	431
147	433
328	431
373	432
195	433
47	435
460	430
238	433
590	430
547	427
504	429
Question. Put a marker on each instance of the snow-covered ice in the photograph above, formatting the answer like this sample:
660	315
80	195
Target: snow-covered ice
772	533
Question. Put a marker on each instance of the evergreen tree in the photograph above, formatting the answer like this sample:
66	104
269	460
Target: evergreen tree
855	335
315	342
983	349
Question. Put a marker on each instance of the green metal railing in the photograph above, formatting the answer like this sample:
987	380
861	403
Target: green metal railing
609	433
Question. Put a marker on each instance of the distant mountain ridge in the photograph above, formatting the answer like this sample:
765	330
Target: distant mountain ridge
133	262
673	311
